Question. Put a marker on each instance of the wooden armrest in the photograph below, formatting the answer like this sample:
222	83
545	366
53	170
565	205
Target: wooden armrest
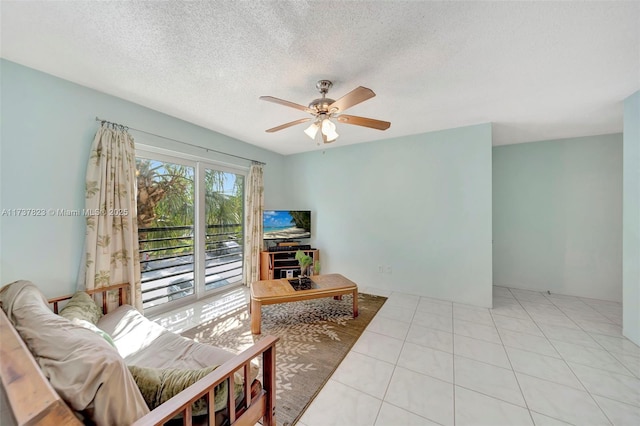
121	299
181	403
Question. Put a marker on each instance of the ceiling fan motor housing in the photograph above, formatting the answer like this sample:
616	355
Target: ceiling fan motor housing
321	105
323	86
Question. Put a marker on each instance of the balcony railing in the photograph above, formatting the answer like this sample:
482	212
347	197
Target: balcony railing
167	260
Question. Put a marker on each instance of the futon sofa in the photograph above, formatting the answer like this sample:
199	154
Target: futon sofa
119	368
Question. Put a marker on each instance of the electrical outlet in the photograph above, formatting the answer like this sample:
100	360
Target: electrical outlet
389	269
381	269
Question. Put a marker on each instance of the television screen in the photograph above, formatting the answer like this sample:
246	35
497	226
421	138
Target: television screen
286	224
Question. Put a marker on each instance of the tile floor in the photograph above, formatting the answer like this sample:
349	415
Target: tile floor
534	358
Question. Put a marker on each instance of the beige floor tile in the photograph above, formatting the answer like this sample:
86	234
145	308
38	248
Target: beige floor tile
434	401
390	415
488	379
338	404
366	374
473	408
552	399
379	346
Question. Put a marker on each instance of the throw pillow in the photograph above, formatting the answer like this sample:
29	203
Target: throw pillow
82	306
99	332
158	385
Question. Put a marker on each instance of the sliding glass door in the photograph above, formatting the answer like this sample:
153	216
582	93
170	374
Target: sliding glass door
166	217
224	215
190	228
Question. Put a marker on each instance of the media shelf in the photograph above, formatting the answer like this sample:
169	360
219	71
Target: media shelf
275	264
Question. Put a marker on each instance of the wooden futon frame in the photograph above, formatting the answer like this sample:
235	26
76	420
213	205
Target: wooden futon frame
34	401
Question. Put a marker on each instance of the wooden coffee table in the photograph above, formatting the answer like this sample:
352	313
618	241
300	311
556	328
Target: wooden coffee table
269	292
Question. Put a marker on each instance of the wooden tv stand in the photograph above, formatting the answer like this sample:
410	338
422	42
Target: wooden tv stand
274	264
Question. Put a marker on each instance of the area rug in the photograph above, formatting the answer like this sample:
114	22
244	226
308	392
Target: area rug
315	336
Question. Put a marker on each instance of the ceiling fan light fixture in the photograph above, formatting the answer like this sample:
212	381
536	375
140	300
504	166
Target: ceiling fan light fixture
329	130
328	126
323	108
312	130
332	138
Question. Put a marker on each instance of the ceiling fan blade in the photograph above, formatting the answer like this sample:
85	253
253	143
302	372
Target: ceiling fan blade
285	103
354	97
292	123
363	121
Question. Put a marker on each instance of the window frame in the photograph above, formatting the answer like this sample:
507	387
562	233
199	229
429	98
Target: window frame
200	164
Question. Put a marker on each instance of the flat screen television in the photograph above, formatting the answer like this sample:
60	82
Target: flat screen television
286	224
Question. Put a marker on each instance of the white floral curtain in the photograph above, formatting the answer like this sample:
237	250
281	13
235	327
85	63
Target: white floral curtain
111	240
253	224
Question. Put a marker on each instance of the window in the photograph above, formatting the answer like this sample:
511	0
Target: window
224	216
190	228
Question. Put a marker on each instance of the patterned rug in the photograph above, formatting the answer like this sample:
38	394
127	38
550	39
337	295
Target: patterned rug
315	336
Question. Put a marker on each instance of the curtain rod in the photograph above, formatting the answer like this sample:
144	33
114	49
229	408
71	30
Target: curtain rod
182	142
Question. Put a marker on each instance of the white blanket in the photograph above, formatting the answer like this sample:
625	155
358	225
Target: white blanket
144	343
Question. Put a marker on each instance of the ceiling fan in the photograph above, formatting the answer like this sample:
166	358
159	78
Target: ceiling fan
324	109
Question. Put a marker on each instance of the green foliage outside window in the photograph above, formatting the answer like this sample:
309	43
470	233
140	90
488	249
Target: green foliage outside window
166	199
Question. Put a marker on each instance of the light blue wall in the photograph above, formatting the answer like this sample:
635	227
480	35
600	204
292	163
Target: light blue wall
631	220
48	125
419	204
557	216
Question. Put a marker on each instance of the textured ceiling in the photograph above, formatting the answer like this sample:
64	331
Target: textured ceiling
537	70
